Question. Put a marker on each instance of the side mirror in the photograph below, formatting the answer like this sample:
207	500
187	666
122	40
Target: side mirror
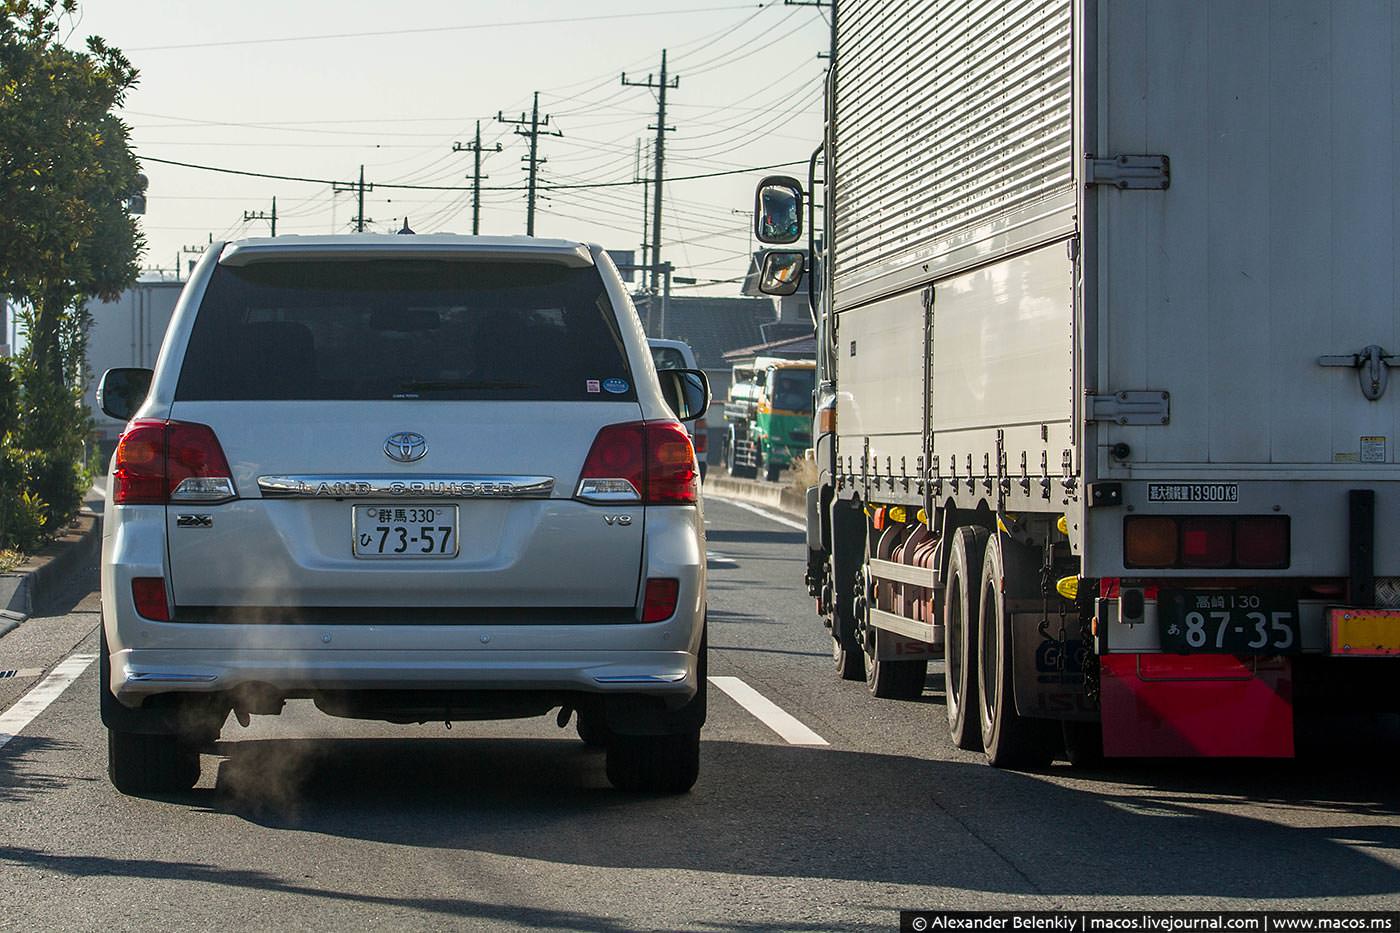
781	272
687	391
122	391
777	210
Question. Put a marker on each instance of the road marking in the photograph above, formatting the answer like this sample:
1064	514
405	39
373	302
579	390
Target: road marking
757	511
719	559
37	700
768	712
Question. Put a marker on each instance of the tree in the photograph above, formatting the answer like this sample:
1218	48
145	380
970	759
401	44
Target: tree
66	170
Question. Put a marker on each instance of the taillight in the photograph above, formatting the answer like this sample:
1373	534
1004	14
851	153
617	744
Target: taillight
659	602
701	437
1262	541
646	462
170	461
1249	542
149	595
826	420
1207	541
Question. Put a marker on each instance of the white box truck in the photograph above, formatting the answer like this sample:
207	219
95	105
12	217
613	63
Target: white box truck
125	332
1106	305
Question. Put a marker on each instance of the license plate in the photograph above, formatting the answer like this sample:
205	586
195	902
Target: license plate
1364	633
400	531
1227	621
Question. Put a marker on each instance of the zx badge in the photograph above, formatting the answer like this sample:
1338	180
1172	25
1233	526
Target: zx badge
618	519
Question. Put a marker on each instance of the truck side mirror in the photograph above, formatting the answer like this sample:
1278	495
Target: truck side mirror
777	210
122	391
687	391
781	272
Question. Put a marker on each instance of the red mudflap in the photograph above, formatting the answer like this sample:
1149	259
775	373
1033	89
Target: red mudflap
1196	706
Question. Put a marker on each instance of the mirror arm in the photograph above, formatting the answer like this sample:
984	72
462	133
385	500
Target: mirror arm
812	231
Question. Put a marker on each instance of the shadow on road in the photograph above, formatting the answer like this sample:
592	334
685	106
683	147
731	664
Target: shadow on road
714	536
769	810
20	779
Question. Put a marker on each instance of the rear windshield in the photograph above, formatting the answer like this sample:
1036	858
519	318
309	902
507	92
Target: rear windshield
401	329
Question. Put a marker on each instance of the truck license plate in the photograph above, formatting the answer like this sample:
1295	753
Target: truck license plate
1244	622
399	531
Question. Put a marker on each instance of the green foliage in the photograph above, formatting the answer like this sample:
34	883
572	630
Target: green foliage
66	169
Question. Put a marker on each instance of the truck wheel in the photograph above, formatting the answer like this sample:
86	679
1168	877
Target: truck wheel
771	471
667	764
1008	740
150	764
848	657
1083	743
959	633
893	680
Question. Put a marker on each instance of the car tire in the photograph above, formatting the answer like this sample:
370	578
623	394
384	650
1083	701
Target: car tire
150	764
592	729
665	764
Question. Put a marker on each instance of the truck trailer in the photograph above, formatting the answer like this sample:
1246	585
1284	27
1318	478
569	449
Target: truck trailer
1105	296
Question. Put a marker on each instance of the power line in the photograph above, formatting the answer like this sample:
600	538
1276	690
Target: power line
380	33
264	215
406	187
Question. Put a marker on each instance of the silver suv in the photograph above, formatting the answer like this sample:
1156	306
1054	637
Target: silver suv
413	479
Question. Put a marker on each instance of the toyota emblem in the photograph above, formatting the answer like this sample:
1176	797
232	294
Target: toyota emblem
406	447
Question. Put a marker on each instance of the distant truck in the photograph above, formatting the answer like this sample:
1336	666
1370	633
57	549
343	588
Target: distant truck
1105	298
125	332
768	417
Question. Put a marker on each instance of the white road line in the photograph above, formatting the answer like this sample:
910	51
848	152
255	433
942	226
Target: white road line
757	511
37	700
768	712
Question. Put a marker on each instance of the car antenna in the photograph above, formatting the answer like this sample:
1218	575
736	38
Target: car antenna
406	228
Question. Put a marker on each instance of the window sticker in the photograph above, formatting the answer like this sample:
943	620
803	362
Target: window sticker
594	386
615	386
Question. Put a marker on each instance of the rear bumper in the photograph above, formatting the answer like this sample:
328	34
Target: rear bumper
138	673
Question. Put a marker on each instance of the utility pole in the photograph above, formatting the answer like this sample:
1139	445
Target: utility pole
660	86
264	215
359	219
474	147
533	159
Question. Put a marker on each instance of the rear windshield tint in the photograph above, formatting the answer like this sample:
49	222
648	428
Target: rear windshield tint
399	329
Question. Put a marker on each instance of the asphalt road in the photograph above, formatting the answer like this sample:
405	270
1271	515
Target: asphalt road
304	822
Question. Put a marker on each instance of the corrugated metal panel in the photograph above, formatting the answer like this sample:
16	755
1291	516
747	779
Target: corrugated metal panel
950	113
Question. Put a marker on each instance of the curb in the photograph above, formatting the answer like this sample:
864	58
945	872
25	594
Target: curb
784	498
34	582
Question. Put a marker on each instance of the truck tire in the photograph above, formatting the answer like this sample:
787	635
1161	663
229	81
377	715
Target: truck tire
771	471
960	641
848	658
150	764
1008	740
893	680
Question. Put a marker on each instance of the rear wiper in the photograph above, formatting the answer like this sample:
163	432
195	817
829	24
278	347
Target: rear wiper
449	385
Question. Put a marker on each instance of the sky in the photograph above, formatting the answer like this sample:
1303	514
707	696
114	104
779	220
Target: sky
315	89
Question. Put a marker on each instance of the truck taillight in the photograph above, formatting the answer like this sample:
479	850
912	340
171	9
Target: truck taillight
170	461
1247	542
701	436
645	462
